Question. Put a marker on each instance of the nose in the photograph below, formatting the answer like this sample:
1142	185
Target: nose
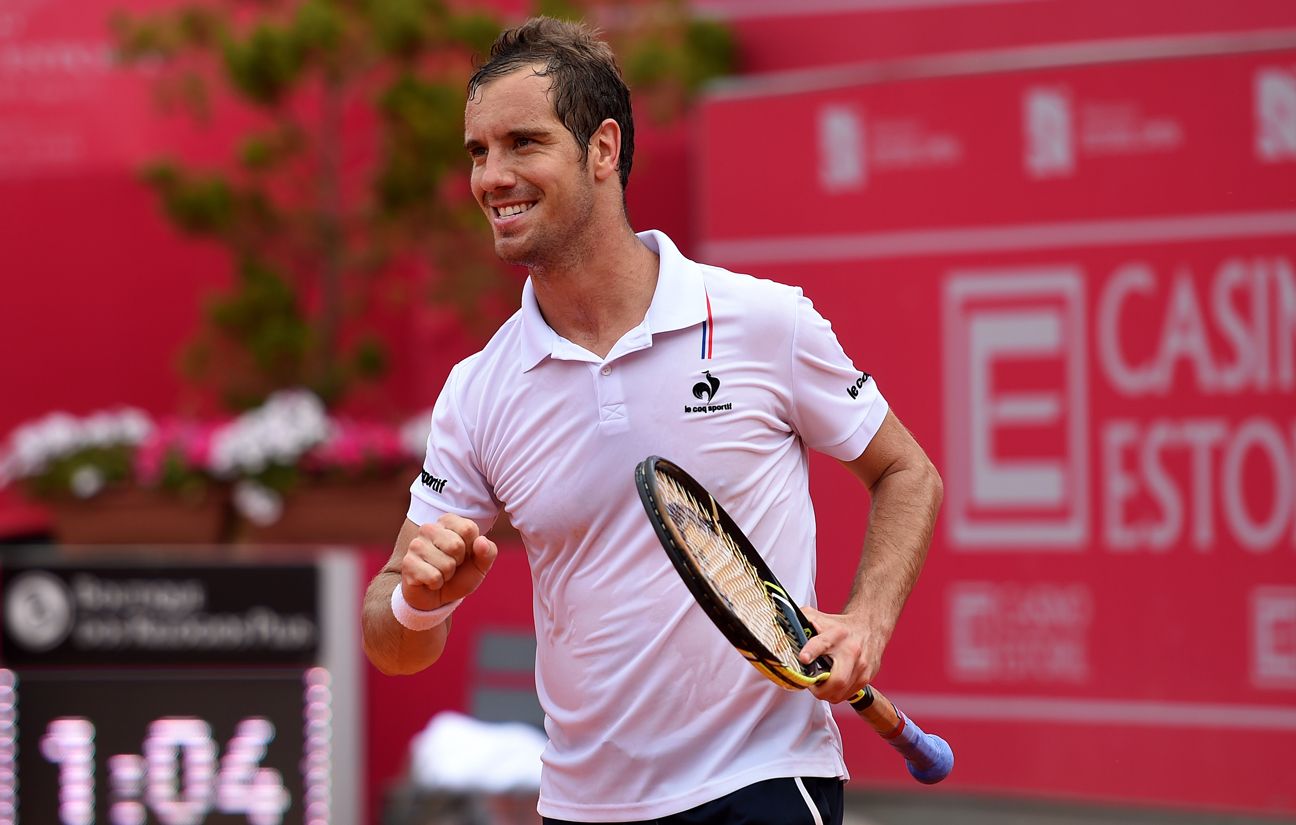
494	173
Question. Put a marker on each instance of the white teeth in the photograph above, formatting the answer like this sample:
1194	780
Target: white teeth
515	209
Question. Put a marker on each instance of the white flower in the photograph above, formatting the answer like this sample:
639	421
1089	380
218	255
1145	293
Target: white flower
99	429
280	431
87	481
35	445
257	503
414	434
120	426
134	425
47	439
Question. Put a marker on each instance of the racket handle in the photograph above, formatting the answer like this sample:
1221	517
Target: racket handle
927	756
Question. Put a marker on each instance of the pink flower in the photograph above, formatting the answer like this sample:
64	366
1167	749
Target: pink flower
185	441
356	446
198	444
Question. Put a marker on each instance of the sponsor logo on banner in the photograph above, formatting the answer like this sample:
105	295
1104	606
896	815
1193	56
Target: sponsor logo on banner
1034	632
902	143
38	611
1273	637
1058	130
47	83
1050	147
1181	473
843	164
1275	114
125	616
848	154
1198	365
1121	127
1016	408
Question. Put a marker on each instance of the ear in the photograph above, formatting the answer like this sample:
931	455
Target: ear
605	150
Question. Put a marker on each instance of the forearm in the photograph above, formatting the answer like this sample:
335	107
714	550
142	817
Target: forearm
437	564
393	648
901	521
906	495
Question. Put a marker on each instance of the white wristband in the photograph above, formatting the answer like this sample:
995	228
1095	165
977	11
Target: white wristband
416	619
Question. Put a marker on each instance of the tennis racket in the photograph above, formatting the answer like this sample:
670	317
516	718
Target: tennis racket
736	589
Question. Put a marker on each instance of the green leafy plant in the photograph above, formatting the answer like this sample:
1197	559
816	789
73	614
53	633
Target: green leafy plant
346	165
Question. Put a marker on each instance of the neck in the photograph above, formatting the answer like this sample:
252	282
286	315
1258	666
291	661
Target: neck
595	297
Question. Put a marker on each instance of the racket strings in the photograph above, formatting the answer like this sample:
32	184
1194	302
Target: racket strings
725	567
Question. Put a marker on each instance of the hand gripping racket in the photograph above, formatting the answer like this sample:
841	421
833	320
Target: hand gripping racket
737	590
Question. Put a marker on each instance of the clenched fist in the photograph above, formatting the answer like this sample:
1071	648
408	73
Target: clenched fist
446	561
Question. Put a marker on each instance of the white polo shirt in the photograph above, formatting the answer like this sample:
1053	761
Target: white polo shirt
648	709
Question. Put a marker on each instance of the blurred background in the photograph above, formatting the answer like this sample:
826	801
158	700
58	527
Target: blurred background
239	258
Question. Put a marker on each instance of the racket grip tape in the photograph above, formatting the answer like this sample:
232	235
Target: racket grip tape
928	757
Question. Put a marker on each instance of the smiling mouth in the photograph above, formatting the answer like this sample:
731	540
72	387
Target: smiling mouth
512	209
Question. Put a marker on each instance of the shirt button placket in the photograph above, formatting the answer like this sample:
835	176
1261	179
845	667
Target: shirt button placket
611	399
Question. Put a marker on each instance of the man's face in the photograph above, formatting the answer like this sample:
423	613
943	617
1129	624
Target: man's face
527	172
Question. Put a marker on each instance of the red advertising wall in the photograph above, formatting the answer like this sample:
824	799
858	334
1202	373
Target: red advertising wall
101	292
774	35
1077	286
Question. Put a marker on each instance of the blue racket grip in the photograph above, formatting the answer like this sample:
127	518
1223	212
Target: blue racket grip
928	757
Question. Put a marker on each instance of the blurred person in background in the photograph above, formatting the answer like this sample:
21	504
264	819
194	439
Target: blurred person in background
650	714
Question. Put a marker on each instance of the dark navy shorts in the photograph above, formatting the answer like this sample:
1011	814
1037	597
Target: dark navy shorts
804	801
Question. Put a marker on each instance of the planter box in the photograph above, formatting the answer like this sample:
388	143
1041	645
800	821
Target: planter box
368	513
136	516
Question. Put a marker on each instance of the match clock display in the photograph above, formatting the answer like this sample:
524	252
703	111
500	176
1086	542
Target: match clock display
166	748
175	695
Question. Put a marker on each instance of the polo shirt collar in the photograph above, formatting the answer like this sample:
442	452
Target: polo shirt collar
538	338
679	302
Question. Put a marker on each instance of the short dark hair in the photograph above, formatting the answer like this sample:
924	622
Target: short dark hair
587	86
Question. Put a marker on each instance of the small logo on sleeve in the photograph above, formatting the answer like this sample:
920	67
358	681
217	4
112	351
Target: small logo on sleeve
854	389
431	481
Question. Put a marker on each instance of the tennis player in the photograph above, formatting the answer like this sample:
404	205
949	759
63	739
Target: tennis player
625	348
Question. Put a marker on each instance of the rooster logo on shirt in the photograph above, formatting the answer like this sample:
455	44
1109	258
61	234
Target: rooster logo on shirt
705	390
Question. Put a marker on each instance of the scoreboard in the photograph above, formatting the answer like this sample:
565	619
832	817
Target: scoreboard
161	691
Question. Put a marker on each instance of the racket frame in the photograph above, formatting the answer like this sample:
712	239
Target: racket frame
928	757
710	600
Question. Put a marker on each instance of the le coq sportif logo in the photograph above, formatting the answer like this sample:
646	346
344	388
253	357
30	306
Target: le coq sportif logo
706	391
435	483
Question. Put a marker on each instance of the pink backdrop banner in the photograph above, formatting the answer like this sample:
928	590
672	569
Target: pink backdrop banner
776	35
1078	287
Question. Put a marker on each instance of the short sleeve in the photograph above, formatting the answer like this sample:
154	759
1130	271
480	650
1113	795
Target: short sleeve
451	480
836	406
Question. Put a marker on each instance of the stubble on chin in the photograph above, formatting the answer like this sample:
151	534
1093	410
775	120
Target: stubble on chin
515	253
544	246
